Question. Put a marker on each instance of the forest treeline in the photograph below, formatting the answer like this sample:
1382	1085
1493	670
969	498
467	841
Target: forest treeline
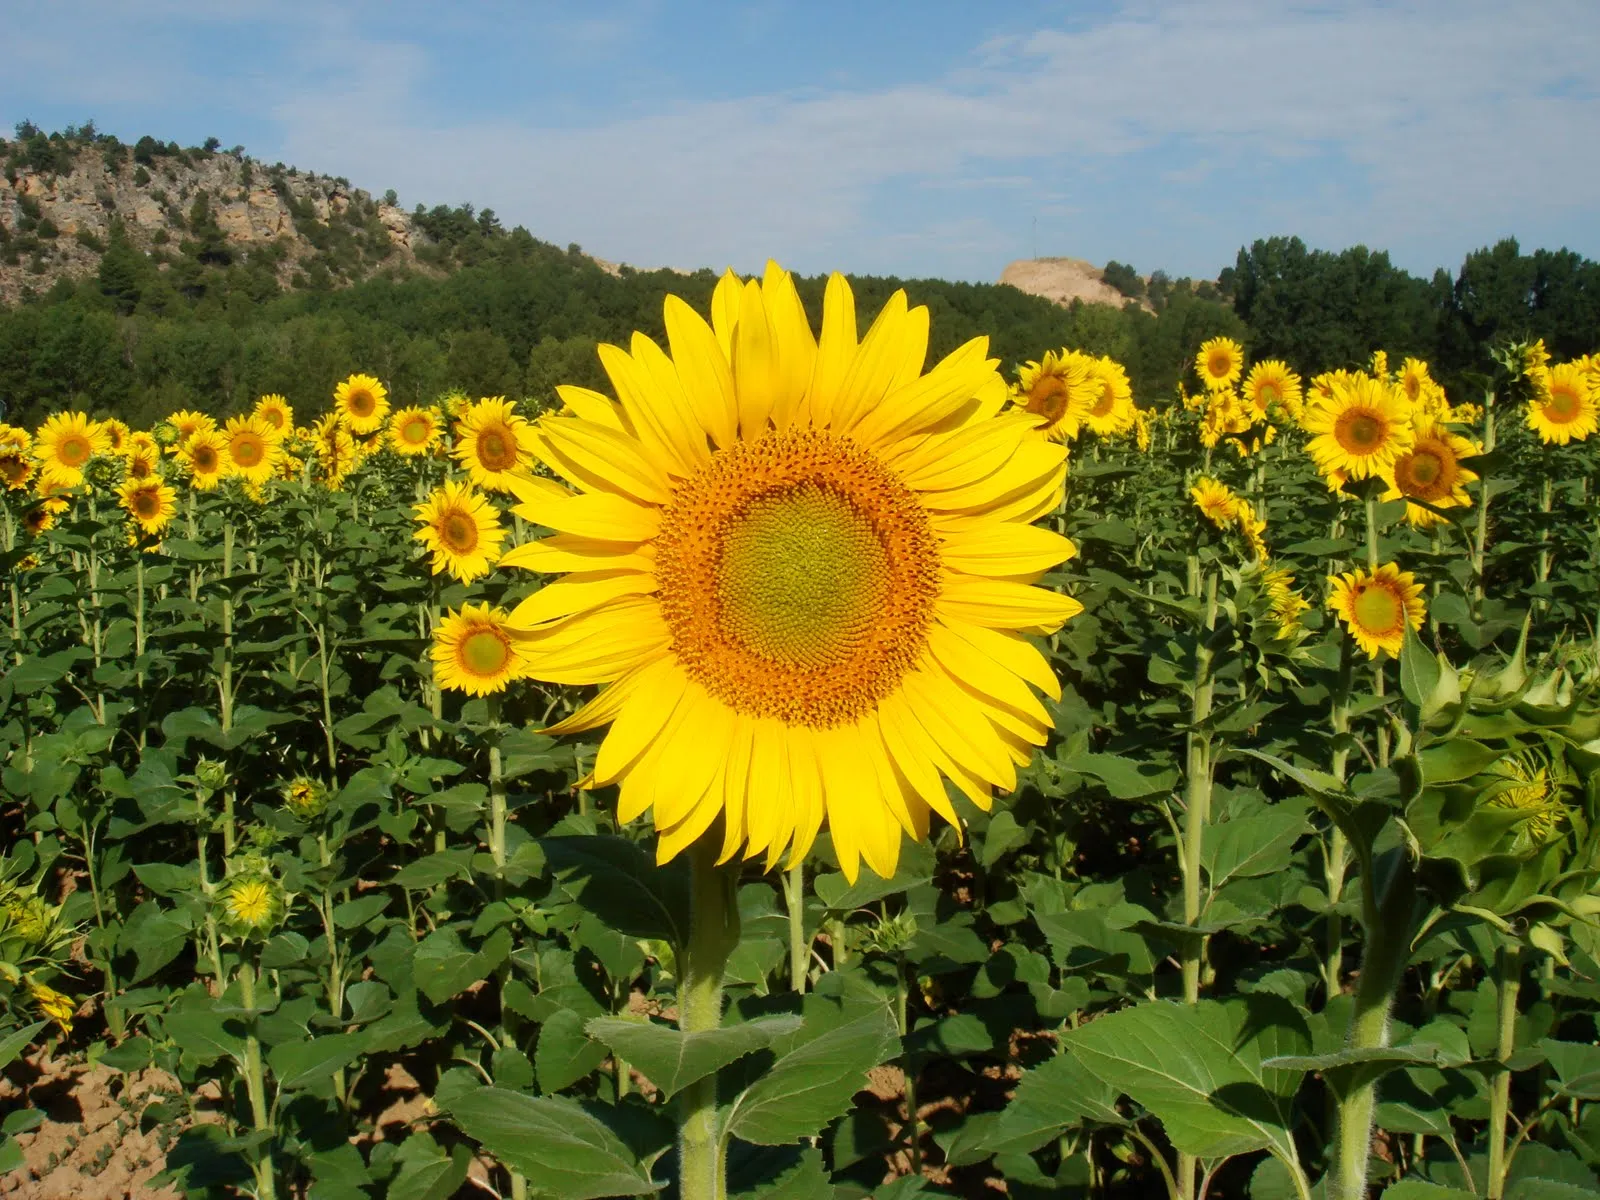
498	312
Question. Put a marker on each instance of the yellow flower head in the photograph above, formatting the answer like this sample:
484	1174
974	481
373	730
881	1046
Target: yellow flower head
64	445
802	564
254	449
1219	363
1377	606
461	529
275	411
336	451
476	651
1057	392
205	455
305	798
415	431
185	423
1535	360
1287	604
1414	379
55	1005
117	434
1534	796
494	444
1431	471
361	403
150	503
1110	412
1380	365
252	904
1360	428
143	443
1141	429
14	439
1564	405
1272	387
1254	529
1216	502
16	468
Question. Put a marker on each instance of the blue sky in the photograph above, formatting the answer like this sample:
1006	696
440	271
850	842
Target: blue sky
929	138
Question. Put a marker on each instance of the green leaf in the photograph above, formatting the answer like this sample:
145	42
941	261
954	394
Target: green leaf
559	1146
672	1059
302	1064
1458	758
1255	845
1419	670
1053	1097
564	1054
802	1093
1419	1189
1349	1068
19	1040
1199	1070
443	967
202	1037
615	879
424	1171
1125	778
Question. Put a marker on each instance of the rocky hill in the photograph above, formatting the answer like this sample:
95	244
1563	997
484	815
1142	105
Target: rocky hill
65	198
1064	280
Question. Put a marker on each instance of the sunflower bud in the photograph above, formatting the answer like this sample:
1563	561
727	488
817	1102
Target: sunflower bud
211	774
305	798
893	934
251	905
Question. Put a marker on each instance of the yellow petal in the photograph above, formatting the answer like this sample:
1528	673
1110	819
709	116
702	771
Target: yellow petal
605	707
923	402
1033	464
725	308
566	553
806	788
735	787
681	428
955	723
1002	604
590	405
690	759
1011	650
981	546
769	813
796	347
702	364
640	722
601	515
981	674
905	740
755	364
592	455
943	461
576	594
874	366
836	348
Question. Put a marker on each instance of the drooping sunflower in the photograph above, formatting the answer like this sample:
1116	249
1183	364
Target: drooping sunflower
477	651
335	450
1361	428
461	529
42	515
1110	412
1216	501
150	503
1286	603
1564	405
254	448
16	458
803	566
1271	384
414	431
117	434
185	423
493	442
362	403
1431	471
1376	606
51	1004
205	454
275	411
1219	363
64	445
1253	528
1057	392
1534	796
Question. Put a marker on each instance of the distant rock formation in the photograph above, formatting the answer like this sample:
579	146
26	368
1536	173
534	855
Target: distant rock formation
1063	280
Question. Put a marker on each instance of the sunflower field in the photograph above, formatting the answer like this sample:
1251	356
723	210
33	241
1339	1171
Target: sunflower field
809	771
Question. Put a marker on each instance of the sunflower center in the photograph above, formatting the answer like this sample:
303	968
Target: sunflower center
459	532
1378	610
73	451
1268	396
361	402
1563	405
1048	398
797	576
12	469
1423	470
1359	431
484	653
495	450
205	459
1220	364
415	431
146	505
1107	401
246	450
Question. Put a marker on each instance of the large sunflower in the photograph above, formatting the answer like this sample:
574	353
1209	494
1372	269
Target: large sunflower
1431	470
64	445
1110	411
803	565
493	442
254	448
149	502
1271	384
476	651
1563	407
205	454
1361	427
461	529
1216	502
275	411
362	403
1219	363
414	431
1376	606
1057	392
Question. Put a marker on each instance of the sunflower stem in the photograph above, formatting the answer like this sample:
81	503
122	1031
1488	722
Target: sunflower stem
225	676
1377	664
1337	856
713	933
255	1078
1508	967
794	896
1485	490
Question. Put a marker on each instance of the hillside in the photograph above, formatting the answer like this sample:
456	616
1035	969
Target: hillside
1062	280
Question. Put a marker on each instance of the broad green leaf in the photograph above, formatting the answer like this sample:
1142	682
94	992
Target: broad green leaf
1261	844
802	1093
1419	670
443	967
424	1171
558	1145
616	880
564	1054
672	1059
17	1041
1059	1094
1420	1189
1125	778
1199	1070
307	1063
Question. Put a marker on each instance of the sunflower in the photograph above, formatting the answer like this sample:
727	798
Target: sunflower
1534	796
64	445
476	651
1361	428
1057	392
1286	603
1219	363
149	502
50	505
1563	407
275	411
117	433
140	442
55	1005
305	798
414	431
1377	606
455	404
1216	502
803	565
1431	470
205	454
1380	365
462	529
1253	528
1414	379
1141	429
1272	384
16	469
254	448
1110	413
362	403
252	905
142	465
185	423
14	438
1535	360
335	450
493	443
